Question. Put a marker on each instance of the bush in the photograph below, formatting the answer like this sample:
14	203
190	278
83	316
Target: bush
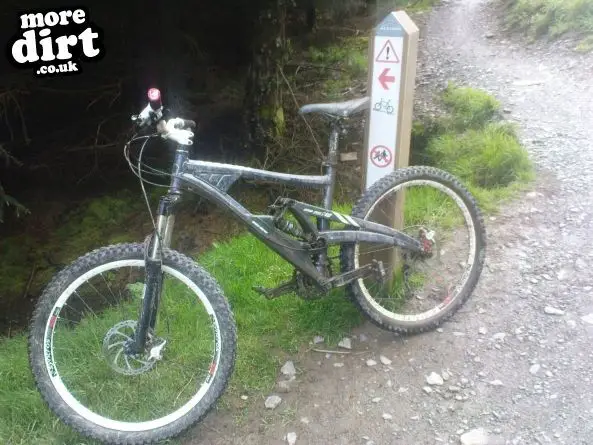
551	17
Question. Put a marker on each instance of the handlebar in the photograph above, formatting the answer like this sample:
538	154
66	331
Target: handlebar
176	129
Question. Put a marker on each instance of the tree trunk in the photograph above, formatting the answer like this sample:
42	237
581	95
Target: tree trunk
263	103
311	14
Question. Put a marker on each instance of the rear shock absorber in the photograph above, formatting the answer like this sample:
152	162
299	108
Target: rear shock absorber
289	228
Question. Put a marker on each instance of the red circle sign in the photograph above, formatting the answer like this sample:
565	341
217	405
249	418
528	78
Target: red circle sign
381	156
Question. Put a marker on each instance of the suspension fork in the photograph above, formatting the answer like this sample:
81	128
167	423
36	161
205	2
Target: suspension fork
158	240
329	169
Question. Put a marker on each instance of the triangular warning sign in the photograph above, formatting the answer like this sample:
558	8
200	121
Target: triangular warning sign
387	54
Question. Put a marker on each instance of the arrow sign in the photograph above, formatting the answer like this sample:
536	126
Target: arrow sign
384	78
387	61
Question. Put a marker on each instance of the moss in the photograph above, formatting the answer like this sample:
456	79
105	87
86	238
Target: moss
15	266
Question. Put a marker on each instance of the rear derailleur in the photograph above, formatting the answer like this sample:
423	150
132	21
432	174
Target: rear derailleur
426	238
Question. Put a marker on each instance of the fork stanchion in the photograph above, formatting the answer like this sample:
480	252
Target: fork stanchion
393	52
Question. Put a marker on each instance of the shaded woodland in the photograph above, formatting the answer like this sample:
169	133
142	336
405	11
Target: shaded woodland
232	66
210	60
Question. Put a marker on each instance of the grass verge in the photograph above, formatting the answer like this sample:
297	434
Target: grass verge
553	18
472	141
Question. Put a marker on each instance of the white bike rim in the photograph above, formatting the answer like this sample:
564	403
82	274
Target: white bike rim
105	421
472	253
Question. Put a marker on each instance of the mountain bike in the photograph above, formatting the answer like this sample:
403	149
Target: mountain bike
134	343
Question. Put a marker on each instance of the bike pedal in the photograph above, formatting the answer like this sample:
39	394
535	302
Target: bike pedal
266	292
275	292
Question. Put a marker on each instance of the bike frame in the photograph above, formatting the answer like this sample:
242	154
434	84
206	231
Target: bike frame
212	180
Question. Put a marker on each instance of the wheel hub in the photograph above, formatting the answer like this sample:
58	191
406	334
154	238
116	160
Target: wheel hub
116	347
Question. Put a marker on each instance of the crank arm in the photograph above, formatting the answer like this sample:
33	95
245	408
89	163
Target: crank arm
348	277
275	292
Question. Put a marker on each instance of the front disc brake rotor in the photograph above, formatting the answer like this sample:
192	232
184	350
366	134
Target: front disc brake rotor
115	346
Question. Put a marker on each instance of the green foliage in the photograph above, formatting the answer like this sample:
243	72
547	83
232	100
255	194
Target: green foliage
349	54
408	5
585	45
551	17
346	62
469	108
490	157
95	223
471	142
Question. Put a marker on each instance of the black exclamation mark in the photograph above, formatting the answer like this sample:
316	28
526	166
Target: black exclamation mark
387	56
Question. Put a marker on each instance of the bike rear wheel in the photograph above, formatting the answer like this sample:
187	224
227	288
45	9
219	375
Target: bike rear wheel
418	292
78	342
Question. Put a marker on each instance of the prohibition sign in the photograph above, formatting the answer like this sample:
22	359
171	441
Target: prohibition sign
380	156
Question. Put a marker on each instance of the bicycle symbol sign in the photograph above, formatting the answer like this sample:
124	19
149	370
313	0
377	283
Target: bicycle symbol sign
384	106
381	156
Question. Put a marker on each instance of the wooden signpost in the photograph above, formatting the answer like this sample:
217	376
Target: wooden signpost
392	73
393	52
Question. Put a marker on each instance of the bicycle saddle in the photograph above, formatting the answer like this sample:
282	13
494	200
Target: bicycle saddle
338	109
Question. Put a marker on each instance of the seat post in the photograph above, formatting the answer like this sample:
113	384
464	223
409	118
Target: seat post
329	165
329	169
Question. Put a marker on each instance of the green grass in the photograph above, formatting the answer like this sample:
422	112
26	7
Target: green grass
471	141
267	331
407	5
469	108
585	45
270	326
490	157
552	18
348	61
428	206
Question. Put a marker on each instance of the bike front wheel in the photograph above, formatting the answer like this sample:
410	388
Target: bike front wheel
415	292
80	356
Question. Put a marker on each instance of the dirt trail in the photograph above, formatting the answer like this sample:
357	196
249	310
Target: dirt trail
519	372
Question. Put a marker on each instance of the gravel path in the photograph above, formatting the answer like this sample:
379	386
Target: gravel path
516	361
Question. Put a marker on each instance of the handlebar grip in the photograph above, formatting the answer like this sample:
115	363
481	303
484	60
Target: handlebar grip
154	99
